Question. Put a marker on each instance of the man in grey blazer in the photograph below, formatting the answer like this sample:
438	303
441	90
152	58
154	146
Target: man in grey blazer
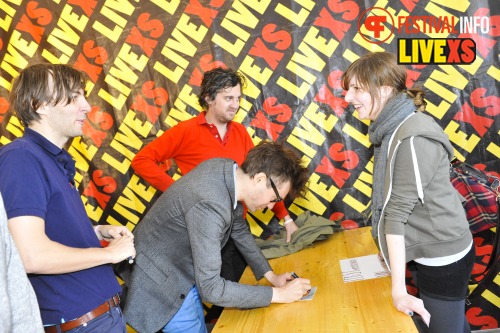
179	240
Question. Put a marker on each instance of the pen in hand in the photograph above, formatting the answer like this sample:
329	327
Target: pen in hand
295	276
130	260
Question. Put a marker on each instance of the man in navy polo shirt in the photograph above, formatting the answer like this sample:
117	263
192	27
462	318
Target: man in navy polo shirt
70	271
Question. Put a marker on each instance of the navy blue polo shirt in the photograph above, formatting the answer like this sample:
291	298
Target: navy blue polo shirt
36	180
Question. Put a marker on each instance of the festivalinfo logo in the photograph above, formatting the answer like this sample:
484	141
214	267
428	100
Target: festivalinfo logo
376	25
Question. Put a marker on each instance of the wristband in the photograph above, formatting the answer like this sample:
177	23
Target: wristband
287	221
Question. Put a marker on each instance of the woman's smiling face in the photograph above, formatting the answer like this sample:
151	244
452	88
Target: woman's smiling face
367	107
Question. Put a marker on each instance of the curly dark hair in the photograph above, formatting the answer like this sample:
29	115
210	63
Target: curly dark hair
280	163
43	83
216	80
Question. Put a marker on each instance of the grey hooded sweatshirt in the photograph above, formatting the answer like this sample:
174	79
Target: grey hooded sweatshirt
419	200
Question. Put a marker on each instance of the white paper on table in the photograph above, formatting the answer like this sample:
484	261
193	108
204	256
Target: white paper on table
363	268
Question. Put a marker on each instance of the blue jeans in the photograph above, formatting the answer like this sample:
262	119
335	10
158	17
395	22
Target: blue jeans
109	322
189	318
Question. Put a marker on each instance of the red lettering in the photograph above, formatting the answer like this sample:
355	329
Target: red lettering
492	103
483	44
483	252
411	77
87	6
259	49
108	183
160	96
346	224
207	15
339	176
154	27
141	105
326	20
93	71
282	38
349	157
26	25
96	125
467	115
146	44
260	121
468	54
484	322
43	16
350	9
92	191
335	79
409	4
283	111
337	104
98	53
349	224
206	64
4	107
453	55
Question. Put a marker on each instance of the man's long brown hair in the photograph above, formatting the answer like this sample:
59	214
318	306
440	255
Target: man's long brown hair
43	84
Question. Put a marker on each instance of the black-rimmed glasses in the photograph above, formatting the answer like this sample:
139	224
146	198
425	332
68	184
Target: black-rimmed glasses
278	197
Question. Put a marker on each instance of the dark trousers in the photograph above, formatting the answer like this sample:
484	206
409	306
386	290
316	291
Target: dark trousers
443	290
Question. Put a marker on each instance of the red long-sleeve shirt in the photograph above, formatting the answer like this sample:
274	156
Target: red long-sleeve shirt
189	143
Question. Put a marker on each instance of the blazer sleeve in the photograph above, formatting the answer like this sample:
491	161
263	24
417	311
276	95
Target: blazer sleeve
207	224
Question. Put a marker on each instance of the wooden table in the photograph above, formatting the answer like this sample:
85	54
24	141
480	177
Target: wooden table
362	306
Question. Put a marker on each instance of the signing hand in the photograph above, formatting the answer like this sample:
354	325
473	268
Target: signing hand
292	291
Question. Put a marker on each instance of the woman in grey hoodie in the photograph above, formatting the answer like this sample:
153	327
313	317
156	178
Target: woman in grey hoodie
417	214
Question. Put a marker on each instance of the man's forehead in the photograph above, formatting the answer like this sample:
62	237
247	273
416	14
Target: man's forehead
236	90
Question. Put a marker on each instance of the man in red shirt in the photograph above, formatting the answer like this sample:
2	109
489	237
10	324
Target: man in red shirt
213	133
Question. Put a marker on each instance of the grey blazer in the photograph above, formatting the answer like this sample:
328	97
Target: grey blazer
178	245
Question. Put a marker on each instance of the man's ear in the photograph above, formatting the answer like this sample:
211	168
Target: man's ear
43	109
261	176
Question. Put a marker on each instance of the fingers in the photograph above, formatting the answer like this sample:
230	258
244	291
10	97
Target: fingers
426	316
414	305
112	233
122	248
